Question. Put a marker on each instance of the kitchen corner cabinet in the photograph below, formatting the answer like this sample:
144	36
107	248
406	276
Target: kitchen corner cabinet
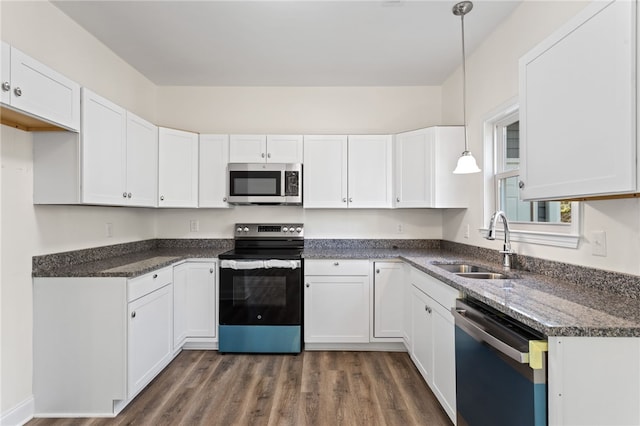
336	301
388	299
195	301
432	347
424	163
36	90
265	149
112	162
348	171
212	171
578	107
98	341
177	168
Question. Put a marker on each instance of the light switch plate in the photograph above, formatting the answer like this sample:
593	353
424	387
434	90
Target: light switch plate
194	225
599	243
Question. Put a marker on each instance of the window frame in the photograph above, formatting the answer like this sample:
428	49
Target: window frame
541	233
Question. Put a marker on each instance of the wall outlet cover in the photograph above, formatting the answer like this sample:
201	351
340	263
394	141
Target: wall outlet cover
599	243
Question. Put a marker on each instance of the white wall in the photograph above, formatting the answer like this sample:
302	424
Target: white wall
492	80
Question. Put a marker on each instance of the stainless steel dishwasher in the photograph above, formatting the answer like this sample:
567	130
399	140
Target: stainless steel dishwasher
501	375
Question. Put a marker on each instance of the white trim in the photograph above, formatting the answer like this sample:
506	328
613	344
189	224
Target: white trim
20	414
536	237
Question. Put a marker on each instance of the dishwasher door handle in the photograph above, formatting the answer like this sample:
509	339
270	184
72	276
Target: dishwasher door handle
478	333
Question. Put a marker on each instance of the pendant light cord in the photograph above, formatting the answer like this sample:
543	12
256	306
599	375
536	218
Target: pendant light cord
464	88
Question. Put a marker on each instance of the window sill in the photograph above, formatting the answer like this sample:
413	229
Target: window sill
541	238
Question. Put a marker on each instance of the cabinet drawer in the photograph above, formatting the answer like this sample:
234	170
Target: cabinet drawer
336	267
145	284
436	289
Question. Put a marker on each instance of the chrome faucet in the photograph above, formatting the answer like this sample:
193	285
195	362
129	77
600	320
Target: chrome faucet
491	235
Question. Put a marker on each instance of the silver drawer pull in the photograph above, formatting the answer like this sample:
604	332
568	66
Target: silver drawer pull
155	276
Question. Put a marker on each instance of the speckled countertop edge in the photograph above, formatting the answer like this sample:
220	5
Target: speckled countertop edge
551	305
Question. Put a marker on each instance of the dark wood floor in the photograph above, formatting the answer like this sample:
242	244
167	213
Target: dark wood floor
313	388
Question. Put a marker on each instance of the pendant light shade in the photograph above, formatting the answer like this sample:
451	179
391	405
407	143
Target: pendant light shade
466	162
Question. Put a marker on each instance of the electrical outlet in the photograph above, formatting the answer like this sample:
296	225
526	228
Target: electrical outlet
400	229
466	231
194	225
599	243
108	230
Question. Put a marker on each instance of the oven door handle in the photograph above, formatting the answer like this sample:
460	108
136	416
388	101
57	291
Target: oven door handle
259	264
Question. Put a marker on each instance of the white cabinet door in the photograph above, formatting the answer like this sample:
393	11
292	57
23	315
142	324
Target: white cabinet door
5	73
325	172
422	333
142	162
284	149
103	151
578	107
370	178
213	178
424	163
444	359
43	92
336	309
388	296
247	148
177	168
150	338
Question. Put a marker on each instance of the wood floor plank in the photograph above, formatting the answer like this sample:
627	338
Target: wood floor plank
312	388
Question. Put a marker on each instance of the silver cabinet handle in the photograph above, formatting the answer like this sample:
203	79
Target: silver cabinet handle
124	195
521	184
350	200
155	276
336	263
133	314
224	199
269	155
129	195
397	199
17	91
211	270
6	86
162	198
262	155
377	271
308	285
427	308
344	200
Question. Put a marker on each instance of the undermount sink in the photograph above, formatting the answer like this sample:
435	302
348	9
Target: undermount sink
484	275
461	268
472	271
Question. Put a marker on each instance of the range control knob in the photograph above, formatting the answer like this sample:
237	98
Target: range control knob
246	229
285	229
298	229
292	229
239	229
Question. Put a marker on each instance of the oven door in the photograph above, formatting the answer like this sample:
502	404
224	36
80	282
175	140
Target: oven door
260	292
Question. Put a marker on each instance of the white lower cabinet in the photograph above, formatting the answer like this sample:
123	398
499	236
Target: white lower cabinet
195	301
99	341
336	301
432	346
388	298
150	337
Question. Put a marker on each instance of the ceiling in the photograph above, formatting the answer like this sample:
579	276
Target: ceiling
288	43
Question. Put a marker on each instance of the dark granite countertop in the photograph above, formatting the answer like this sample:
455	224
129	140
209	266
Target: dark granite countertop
582	302
552	306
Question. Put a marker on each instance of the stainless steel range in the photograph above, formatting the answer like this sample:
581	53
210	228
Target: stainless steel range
261	289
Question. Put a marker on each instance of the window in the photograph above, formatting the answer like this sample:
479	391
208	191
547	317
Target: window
541	222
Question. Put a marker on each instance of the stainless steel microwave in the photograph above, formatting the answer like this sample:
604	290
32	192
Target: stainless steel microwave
265	183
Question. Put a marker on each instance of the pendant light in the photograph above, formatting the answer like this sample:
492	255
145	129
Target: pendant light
466	162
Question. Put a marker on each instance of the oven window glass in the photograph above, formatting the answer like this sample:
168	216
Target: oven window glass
259	291
265	183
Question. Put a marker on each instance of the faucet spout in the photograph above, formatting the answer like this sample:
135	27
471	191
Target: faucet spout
491	235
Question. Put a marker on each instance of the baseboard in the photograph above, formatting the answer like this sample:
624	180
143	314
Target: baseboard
20	414
364	347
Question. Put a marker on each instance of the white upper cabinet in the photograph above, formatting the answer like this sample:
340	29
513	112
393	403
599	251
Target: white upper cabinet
325	172
262	148
103	150
142	162
424	163
39	91
177	168
578	95
353	171
214	156
370	176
